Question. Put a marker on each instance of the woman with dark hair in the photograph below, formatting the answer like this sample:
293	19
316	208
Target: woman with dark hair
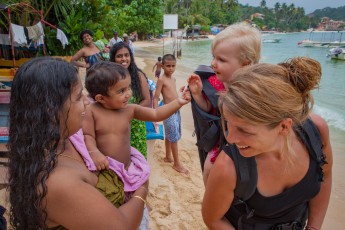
49	184
122	54
91	52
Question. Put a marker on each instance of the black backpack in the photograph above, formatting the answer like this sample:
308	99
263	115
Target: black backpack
208	128
247	172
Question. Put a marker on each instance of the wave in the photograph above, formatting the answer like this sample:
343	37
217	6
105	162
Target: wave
333	118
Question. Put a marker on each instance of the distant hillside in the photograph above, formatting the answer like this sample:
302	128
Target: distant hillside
332	13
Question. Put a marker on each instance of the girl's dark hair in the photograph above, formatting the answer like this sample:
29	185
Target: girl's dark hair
39	91
103	75
132	68
89	32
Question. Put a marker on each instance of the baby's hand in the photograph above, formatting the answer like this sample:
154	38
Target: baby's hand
101	162
184	95
195	84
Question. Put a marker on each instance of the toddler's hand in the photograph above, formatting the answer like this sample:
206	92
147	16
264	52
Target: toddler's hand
101	162
184	95
195	84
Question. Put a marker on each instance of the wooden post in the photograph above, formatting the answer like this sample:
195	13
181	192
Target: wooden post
44	44
11	36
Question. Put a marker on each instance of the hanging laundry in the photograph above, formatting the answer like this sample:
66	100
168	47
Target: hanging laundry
62	37
41	39
18	34
28	40
34	32
5	39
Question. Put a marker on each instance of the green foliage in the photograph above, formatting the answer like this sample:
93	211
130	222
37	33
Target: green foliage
72	26
99	21
282	17
143	16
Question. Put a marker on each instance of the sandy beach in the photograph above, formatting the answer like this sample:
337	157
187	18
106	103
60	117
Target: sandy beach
175	199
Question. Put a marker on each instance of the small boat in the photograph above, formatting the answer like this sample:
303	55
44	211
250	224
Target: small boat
271	40
311	43
336	53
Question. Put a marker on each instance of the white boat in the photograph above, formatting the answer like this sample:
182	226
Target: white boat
323	43
271	40
336	53
311	43
337	44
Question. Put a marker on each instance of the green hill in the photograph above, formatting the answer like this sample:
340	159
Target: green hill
332	13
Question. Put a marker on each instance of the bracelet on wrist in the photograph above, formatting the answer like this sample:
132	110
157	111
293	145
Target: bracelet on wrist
310	228
140	198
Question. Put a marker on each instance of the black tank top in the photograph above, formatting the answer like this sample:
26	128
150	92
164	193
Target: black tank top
287	207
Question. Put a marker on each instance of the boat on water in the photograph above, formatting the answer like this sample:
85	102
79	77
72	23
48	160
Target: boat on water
323	43
311	43
271	40
336	53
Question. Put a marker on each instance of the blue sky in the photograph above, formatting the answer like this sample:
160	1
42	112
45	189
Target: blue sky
308	5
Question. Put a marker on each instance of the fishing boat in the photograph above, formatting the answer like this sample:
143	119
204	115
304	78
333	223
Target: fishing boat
336	53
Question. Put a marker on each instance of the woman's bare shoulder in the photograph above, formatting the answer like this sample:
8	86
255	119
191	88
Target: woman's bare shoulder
66	174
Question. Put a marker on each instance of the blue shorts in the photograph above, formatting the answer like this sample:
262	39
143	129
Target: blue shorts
172	127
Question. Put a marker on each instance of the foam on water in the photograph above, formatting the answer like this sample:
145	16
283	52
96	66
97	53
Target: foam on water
333	118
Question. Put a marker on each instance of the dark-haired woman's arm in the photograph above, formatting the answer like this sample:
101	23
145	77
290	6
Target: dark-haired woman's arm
144	91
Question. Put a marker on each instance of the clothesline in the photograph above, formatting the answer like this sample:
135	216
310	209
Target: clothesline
59	35
23	36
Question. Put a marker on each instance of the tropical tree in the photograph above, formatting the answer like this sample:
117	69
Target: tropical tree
143	16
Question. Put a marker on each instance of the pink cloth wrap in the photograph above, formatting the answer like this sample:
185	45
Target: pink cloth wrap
138	171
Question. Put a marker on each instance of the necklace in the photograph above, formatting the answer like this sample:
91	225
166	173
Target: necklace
64	155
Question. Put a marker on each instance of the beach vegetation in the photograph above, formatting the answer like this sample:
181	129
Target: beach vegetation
145	17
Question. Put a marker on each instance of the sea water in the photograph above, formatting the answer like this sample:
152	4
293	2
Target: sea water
329	98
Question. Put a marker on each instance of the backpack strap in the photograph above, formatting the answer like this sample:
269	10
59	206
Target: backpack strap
210	92
209	138
246	171
205	72
310	135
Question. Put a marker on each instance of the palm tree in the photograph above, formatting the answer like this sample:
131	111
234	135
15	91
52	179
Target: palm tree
52	10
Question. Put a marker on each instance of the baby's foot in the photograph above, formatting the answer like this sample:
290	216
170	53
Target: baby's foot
167	159
181	169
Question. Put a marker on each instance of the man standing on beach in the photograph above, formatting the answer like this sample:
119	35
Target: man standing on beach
114	40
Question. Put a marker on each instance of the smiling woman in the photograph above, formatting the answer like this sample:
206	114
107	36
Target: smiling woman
49	180
91	53
270	127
